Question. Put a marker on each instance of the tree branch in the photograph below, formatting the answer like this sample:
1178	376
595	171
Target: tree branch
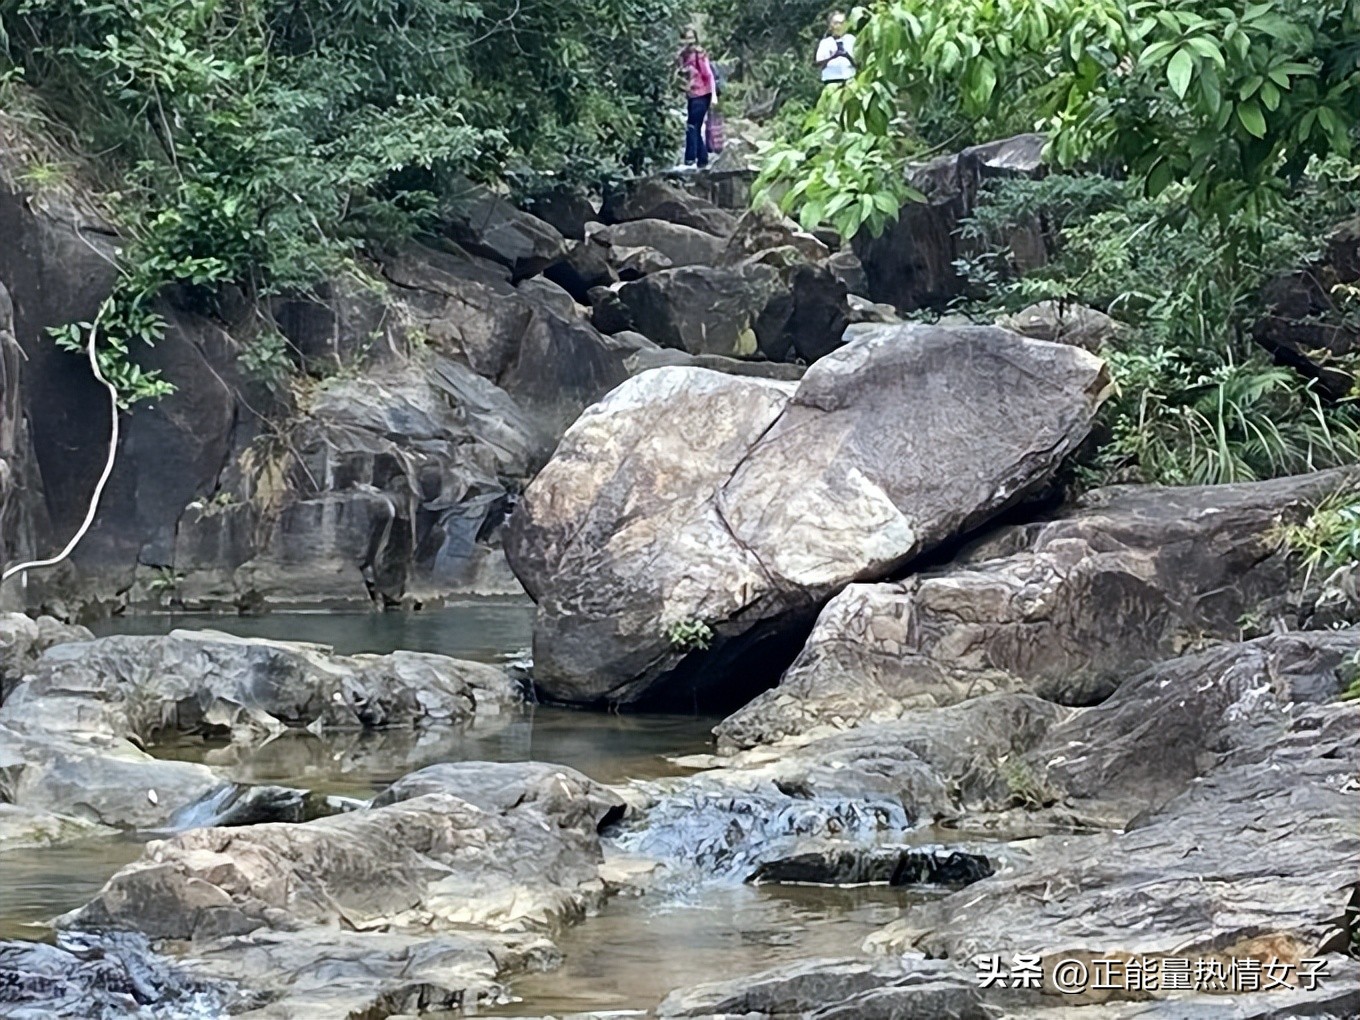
93	354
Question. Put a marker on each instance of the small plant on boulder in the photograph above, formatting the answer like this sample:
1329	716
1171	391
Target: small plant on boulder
689	635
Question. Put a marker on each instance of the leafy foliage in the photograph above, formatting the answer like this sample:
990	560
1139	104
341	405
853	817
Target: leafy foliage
1329	538
689	635
263	143
1179	420
1233	101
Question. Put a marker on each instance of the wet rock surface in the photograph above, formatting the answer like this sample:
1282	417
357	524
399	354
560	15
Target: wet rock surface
75	786
833	864
432	862
72	736
111	978
319	973
749	510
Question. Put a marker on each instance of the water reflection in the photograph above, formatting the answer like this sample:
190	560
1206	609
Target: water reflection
485	630
607	748
38	884
636	952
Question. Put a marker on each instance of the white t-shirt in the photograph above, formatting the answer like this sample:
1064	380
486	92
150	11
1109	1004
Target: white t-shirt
837	68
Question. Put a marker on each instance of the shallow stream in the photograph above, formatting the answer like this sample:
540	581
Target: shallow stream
626	958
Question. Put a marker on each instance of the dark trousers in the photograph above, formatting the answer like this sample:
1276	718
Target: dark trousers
696	151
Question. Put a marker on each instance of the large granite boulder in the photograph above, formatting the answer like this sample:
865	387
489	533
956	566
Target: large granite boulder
1064	609
654	199
806	318
689	509
488	225
701	309
203	681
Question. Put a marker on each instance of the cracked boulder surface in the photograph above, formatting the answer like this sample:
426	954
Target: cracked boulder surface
688	509
1063	609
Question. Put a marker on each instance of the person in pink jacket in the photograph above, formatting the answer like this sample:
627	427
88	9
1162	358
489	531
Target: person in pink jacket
695	69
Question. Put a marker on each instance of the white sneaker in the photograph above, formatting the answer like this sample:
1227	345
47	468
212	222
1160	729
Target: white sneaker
684	168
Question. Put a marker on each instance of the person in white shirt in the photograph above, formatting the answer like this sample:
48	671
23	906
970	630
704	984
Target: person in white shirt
836	52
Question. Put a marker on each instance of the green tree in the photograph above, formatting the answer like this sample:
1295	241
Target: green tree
265	143
1233	99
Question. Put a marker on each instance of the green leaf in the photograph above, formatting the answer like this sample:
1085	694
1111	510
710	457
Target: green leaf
984	83
1179	71
1157	52
1252	119
1205	47
1158	178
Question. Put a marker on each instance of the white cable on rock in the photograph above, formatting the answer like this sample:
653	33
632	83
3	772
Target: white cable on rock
103	478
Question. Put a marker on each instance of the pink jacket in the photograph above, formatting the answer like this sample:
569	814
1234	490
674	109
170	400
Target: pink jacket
700	72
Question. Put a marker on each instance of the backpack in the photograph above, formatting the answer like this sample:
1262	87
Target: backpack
719	79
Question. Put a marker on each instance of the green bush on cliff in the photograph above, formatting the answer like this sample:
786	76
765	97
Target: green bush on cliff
264	143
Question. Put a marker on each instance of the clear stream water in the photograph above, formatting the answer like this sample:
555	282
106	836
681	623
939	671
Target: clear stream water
626	958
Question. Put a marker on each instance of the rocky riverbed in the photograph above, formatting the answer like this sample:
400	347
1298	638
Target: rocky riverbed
871	853
946	733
